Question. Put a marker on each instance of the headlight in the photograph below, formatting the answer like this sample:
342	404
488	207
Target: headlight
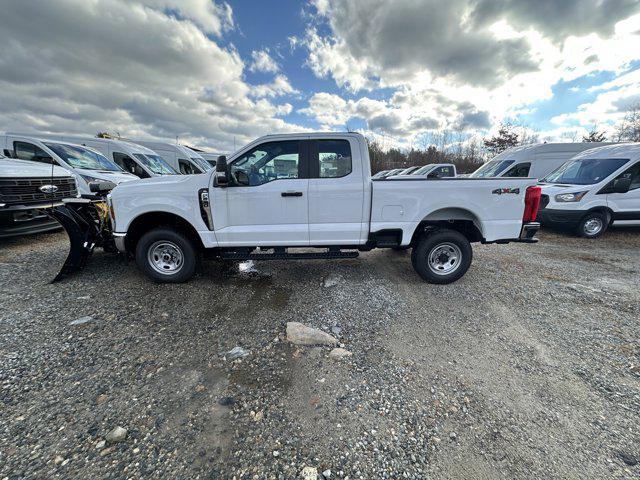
570	197
90	179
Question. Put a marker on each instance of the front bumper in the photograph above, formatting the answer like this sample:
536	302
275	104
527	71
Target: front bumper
17	220
559	218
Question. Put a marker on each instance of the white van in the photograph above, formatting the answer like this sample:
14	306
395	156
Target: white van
533	161
181	158
87	164
593	190
132	158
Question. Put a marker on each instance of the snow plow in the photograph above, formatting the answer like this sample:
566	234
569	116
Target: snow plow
86	221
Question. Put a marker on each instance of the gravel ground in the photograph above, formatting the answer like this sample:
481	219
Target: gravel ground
529	367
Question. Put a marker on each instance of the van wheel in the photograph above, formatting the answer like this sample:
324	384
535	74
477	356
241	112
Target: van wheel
166	256
442	257
593	225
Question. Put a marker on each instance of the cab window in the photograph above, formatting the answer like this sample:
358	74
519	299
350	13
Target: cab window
519	170
445	171
335	158
266	163
29	151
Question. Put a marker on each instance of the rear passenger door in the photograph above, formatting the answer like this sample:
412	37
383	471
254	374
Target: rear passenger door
336	193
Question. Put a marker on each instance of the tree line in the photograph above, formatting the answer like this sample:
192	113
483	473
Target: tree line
468	153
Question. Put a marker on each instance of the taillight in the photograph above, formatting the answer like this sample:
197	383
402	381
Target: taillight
531	204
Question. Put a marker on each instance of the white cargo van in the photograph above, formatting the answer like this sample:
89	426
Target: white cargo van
132	158
87	164
181	158
533	161
593	190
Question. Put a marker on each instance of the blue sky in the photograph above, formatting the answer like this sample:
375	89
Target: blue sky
216	73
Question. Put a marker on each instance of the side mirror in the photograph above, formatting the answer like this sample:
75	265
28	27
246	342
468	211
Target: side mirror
433	175
222	169
621	185
242	177
42	158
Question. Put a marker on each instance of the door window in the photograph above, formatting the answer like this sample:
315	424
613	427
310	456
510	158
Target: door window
444	172
267	162
334	157
520	170
129	165
634	174
29	151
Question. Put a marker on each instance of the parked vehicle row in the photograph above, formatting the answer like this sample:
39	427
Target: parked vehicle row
431	170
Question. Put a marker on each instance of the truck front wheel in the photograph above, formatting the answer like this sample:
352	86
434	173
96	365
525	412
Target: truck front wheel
442	256
166	256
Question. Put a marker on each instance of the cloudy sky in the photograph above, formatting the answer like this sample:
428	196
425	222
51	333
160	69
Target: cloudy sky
213	72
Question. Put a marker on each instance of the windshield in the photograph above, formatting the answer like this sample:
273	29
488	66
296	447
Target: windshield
155	163
492	168
83	158
202	163
424	170
585	171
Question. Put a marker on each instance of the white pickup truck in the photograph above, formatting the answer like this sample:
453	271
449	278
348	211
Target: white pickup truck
314	191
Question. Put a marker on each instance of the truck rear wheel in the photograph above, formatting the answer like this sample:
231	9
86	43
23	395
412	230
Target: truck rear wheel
166	256
442	257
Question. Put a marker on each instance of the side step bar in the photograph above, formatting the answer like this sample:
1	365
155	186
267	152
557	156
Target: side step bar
280	255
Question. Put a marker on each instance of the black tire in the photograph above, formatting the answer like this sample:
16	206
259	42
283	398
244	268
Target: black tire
593	225
452	244
177	245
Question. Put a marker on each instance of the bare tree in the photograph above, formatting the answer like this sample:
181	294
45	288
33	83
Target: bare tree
595	135
628	130
507	137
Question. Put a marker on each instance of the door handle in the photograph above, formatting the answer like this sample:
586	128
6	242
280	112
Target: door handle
291	194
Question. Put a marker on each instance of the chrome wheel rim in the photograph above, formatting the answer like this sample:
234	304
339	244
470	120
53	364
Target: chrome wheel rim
444	258
593	226
165	257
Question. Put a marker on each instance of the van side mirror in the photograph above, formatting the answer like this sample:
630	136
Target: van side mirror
222	171
622	185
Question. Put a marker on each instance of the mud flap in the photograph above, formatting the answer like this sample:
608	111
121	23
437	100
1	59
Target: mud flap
83	234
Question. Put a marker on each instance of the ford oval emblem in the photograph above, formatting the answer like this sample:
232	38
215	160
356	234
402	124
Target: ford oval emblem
48	189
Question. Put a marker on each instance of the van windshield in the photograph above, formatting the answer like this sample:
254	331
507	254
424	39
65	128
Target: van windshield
155	163
585	171
202	163
82	158
492	169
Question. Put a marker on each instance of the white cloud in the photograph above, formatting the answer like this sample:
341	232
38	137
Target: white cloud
262	62
278	87
465	63
129	68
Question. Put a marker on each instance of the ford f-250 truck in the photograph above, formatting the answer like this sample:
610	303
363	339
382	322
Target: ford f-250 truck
314	191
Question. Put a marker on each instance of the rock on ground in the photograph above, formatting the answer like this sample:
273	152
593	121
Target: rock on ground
300	334
118	434
339	353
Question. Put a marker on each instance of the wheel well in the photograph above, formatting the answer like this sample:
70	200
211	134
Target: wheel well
457	219
148	221
607	211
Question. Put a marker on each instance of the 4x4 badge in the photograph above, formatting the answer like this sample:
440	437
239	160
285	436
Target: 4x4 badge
500	191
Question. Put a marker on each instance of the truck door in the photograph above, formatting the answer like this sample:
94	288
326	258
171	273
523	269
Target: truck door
336	193
266	202
626	206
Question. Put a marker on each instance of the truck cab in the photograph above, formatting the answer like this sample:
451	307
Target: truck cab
315	191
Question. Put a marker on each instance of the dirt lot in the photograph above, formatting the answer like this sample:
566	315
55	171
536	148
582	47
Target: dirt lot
529	367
